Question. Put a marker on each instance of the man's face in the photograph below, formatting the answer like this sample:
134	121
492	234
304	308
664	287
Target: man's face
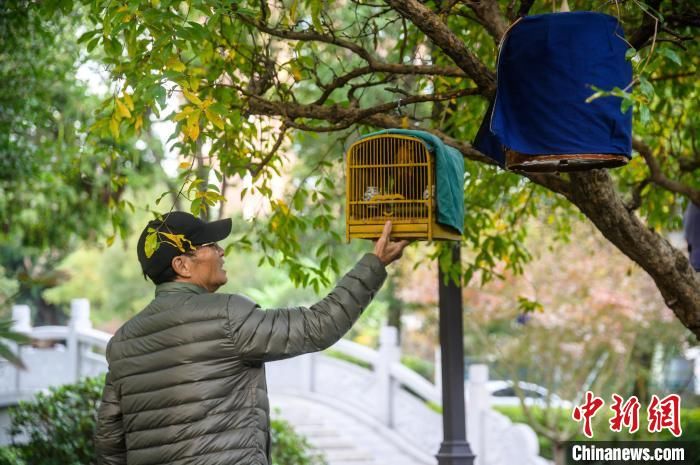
206	267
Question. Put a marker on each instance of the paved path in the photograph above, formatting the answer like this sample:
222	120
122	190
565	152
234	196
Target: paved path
345	387
343	438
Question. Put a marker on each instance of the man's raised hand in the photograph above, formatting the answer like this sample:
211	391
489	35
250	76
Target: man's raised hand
387	250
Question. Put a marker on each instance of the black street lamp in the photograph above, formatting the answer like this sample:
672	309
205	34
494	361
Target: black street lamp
454	449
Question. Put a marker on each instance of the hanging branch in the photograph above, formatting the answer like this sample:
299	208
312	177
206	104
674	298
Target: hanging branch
657	176
255	169
448	41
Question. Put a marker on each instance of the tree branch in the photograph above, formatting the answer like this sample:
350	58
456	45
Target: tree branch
657	176
490	17
309	36
341	116
255	169
389	68
451	45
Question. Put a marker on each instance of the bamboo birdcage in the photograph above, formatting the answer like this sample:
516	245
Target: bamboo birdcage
392	177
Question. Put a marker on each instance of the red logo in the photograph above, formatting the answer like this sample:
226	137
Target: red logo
665	414
626	414
587	411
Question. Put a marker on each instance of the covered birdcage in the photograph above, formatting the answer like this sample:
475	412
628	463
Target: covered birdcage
393	176
551	111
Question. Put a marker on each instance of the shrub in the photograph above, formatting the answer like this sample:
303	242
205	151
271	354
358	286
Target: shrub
8	456
290	448
57	428
422	367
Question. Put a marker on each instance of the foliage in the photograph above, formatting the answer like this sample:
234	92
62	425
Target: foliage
7	334
58	428
422	367
8	456
59	182
8	289
289	447
252	76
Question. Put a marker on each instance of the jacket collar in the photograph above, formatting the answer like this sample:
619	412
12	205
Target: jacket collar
172	287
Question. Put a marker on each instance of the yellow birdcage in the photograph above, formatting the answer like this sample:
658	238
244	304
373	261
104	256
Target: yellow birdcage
392	177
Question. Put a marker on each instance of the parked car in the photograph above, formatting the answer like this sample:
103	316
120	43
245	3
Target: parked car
504	393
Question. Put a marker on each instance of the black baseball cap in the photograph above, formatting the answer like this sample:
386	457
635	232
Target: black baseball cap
191	232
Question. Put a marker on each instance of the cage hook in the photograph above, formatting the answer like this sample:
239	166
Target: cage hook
398	107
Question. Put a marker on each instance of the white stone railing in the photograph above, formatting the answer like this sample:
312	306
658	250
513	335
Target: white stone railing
377	393
75	351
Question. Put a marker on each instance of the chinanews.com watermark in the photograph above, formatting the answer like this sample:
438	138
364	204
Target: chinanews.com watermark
662	415
632	452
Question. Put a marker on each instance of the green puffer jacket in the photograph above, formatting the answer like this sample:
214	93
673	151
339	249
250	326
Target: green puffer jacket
186	381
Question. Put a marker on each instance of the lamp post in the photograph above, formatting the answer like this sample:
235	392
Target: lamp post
454	449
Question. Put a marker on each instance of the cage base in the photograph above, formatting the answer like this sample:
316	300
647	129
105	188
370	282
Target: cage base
516	161
412	231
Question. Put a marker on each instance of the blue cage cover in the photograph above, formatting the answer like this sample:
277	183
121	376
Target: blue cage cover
547	66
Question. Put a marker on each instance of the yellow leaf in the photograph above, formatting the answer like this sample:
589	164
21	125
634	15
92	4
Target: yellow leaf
184	165
139	123
293	11
192	97
128	101
110	241
151	244
207	102
122	110
192	128
214	118
175	64
194	83
114	127
184	113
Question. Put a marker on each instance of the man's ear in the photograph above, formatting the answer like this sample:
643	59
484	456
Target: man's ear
181	266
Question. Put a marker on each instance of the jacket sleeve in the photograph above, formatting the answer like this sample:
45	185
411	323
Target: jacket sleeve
110	442
266	335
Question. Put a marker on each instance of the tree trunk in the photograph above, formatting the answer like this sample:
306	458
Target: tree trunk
559	453
394	311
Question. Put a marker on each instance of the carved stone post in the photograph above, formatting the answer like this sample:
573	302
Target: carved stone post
389	353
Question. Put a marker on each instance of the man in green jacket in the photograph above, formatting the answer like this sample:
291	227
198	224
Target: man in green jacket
186	380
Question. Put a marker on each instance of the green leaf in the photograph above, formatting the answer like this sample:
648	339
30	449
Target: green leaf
626	104
196	206
87	35
671	55
11	357
644	114
113	47
646	87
